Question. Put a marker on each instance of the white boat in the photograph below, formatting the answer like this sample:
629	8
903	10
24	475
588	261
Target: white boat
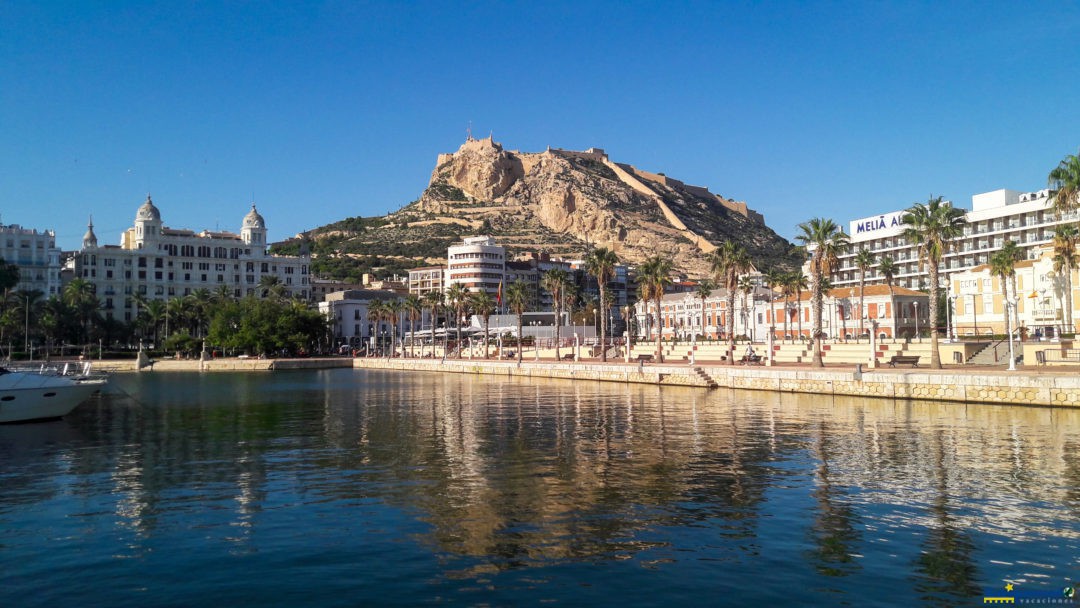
45	392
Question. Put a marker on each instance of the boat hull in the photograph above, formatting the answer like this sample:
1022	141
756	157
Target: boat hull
44	399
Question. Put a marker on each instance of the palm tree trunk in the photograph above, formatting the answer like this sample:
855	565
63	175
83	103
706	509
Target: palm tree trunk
487	321
731	326
818	304
1068	300
521	338
603	324
659	332
862	287
935	356
558	323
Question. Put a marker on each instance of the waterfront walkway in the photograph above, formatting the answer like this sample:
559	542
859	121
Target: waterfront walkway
1029	385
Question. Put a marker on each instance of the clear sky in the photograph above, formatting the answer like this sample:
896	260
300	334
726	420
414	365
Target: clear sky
321	111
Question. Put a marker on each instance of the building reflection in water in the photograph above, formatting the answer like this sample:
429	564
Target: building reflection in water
510	473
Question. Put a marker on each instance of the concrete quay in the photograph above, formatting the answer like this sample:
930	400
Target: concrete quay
1059	387
1042	386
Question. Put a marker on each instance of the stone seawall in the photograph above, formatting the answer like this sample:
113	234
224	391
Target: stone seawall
1017	388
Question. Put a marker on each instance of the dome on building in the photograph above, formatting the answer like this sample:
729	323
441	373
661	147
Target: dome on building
148	212
89	240
254	220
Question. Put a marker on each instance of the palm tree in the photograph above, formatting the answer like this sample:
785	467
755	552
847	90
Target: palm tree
705	289
1003	265
1011	251
517	298
864	260
787	288
746	288
654	275
434	301
557	282
376	312
1065	261
887	268
600	263
79	295
412	307
393	310
457	296
932	227
1065	179
825	240
727	262
483	304
796	283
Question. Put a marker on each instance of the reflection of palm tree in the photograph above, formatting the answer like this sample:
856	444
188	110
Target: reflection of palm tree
834	532
946	562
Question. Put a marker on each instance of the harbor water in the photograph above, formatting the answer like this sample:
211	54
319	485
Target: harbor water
370	488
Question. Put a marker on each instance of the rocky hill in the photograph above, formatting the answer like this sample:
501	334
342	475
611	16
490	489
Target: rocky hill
557	201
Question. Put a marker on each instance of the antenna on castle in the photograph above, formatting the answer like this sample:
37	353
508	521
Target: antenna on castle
468	132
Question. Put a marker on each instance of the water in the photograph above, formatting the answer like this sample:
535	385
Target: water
354	488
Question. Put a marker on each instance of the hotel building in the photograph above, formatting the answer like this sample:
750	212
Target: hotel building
1028	219
477	263
159	263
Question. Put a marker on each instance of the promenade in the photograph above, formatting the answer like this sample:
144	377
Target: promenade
1028	385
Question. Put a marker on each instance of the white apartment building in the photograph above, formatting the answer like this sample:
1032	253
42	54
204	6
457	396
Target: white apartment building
35	254
348	312
159	263
995	217
478	263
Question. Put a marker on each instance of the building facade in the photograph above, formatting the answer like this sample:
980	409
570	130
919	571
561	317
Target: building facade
1028	219
156	262
352	326
35	254
477	263
1038	292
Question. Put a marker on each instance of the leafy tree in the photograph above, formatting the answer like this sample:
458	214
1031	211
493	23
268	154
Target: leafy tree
727	263
517	298
9	275
1065	180
1065	262
705	289
932	227
600	263
825	240
557	282
482	302
654	276
864	260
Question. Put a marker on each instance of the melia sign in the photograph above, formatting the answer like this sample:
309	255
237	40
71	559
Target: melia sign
878	226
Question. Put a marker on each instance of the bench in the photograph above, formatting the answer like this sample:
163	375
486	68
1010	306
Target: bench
913	360
751	360
568	357
644	358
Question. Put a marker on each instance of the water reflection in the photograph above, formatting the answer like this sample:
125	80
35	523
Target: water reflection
835	495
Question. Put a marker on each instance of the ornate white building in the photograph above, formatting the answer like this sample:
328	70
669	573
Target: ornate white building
159	263
35	254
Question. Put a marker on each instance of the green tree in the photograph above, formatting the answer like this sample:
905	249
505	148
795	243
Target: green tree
654	276
727	263
79	295
600	263
1064	179
9	275
1003	265
1066	261
482	302
434	302
557	281
932	227
864	261
705	289
457	296
413	307
887	268
517	298
824	239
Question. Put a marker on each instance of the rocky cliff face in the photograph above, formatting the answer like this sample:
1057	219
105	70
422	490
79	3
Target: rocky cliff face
562	202
588	199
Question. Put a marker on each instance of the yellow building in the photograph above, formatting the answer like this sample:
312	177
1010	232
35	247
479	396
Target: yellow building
978	301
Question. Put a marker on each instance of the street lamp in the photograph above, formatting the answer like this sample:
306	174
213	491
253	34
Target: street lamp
916	304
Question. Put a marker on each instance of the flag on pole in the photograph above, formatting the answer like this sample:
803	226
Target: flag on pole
498	296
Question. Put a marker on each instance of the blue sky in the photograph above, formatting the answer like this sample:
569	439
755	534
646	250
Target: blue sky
321	111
